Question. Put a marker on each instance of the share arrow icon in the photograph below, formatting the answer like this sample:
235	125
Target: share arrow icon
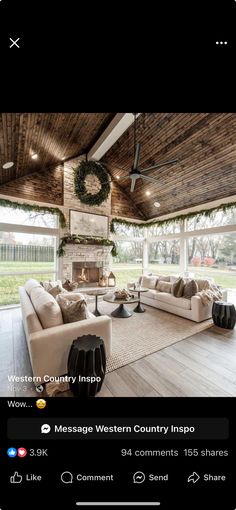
194	477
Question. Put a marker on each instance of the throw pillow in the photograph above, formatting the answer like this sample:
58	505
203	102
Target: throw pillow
73	310
164	278
164	287
49	284
54	291
178	287
149	282
190	289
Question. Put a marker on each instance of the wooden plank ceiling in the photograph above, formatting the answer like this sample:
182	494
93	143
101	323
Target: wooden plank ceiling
204	143
53	136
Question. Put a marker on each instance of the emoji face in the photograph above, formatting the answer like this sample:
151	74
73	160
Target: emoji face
41	404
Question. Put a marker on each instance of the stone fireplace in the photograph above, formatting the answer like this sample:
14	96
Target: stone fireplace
86	264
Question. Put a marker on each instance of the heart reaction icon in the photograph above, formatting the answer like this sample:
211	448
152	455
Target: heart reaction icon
21	452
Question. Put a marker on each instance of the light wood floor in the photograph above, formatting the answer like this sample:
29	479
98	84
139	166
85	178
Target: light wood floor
201	366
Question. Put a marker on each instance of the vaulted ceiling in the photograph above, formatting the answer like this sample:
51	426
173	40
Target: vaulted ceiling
53	136
203	143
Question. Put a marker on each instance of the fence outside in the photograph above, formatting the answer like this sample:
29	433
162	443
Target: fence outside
26	253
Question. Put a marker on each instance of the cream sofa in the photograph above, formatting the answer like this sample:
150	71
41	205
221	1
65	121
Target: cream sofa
192	309
49	346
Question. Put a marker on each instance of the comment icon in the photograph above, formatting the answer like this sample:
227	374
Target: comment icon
67	477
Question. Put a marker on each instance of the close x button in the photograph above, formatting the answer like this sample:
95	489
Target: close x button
14	43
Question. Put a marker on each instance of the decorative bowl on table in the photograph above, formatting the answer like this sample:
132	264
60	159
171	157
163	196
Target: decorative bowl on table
123	294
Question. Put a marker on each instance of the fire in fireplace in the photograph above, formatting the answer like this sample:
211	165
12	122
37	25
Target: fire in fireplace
87	273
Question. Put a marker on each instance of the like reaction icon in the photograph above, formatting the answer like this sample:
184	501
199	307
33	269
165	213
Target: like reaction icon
12	452
16	478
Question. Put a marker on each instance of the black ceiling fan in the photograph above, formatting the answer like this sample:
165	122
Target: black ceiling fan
138	173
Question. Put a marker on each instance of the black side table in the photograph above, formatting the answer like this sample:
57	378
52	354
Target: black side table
224	314
87	359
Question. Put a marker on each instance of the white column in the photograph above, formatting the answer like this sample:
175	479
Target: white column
183	248
145	251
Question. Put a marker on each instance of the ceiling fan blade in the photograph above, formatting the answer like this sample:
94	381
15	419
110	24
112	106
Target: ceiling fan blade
136	156
133	182
151	179
159	165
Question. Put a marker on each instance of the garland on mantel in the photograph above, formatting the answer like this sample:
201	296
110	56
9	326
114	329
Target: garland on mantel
76	239
207	213
34	207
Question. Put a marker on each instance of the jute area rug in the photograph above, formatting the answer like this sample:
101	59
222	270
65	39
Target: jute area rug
140	335
146	333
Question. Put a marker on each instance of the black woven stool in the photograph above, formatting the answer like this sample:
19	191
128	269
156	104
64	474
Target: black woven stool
87	359
223	314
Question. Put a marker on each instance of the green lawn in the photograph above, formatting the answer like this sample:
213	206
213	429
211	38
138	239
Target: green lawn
124	273
9	284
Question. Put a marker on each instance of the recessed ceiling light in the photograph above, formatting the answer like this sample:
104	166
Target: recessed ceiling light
157	204
148	193
34	156
7	165
117	177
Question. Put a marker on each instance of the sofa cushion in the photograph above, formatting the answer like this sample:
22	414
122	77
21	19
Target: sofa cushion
149	281
164	286
74	309
31	284
151	293
178	287
173	301
46	307
190	289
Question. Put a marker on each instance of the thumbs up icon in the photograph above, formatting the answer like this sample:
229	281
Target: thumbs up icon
16	478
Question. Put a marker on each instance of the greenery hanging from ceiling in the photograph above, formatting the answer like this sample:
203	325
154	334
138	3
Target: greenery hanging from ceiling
207	213
76	239
84	169
36	208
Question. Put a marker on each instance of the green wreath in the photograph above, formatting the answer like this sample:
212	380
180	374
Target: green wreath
80	173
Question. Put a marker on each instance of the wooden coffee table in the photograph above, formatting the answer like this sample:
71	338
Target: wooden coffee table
139	308
121	311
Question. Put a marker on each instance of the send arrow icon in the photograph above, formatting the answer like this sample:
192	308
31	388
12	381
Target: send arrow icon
194	477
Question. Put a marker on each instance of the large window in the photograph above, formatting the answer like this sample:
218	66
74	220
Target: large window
214	256
30	253
202	246
128	263
164	256
30	218
218	219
